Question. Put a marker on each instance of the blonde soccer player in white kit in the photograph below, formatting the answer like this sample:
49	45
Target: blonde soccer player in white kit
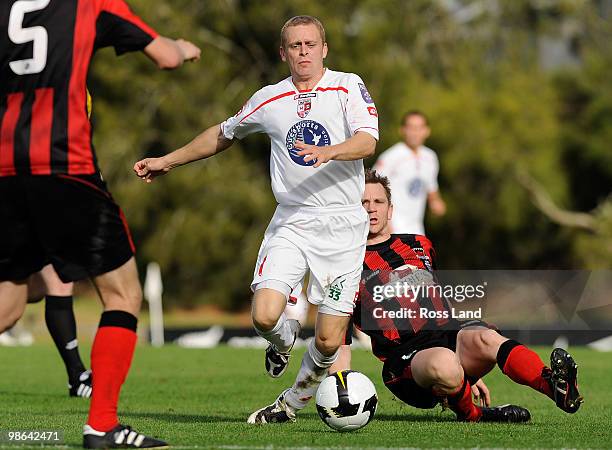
321	124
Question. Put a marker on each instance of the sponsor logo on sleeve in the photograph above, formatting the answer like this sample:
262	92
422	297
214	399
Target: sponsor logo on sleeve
365	94
372	111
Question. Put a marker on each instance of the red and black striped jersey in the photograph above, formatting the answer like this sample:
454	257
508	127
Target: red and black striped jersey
385	262
45	51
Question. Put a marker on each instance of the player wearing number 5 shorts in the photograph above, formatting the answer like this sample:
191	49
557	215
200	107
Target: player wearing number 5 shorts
321	124
55	206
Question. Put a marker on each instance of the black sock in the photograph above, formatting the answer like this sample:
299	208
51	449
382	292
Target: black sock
59	317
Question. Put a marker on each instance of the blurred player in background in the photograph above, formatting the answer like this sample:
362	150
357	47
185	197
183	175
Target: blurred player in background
321	124
412	169
429	361
55	205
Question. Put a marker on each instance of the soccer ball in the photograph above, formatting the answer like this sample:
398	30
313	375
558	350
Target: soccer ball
346	401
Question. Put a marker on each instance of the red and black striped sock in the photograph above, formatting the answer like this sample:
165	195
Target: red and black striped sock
111	357
461	403
523	366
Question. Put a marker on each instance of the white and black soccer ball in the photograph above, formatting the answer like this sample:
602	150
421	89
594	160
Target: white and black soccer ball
346	401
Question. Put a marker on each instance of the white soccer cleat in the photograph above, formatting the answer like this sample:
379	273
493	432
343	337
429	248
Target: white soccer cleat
277	412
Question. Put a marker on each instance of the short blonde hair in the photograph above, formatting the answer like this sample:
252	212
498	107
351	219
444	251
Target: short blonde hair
301	20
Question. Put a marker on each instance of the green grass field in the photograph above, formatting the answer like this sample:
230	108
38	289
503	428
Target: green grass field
201	399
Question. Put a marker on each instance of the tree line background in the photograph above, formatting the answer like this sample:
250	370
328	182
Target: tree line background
518	94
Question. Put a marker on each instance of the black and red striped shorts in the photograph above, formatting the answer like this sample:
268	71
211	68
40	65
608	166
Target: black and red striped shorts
70	221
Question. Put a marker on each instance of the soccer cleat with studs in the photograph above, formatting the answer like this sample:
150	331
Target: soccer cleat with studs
122	436
277	412
276	361
562	378
82	386
505	413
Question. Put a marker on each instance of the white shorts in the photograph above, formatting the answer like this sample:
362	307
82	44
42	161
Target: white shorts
329	242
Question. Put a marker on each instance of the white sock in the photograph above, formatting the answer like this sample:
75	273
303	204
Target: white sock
312	371
281	336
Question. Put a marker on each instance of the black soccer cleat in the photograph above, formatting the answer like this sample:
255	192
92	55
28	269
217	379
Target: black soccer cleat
81	386
505	413
562	378
277	362
277	412
122	436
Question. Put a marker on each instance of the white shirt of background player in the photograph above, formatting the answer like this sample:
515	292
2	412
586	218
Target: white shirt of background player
412	169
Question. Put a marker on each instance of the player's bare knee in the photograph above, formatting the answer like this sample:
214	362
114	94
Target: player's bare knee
328	345
485	343
264	317
122	300
263	321
445	369
267	307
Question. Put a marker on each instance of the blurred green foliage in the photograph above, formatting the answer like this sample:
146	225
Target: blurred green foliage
494	109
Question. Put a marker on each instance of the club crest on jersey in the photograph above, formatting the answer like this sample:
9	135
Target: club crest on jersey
415	187
304	106
309	132
365	94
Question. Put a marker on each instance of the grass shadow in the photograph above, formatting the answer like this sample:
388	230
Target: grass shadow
183	418
412	418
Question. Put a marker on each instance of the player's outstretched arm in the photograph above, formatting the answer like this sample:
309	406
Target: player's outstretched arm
207	144
359	146
169	53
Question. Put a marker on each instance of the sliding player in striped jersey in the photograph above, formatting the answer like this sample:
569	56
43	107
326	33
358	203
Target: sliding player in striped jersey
437	360
55	206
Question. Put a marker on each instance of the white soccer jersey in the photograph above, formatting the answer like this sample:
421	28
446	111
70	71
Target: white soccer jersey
334	110
412	177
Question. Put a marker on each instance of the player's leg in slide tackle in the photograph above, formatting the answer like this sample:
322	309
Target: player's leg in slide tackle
438	374
479	349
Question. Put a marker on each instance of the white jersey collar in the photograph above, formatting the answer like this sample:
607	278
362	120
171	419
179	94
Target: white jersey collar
297	91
